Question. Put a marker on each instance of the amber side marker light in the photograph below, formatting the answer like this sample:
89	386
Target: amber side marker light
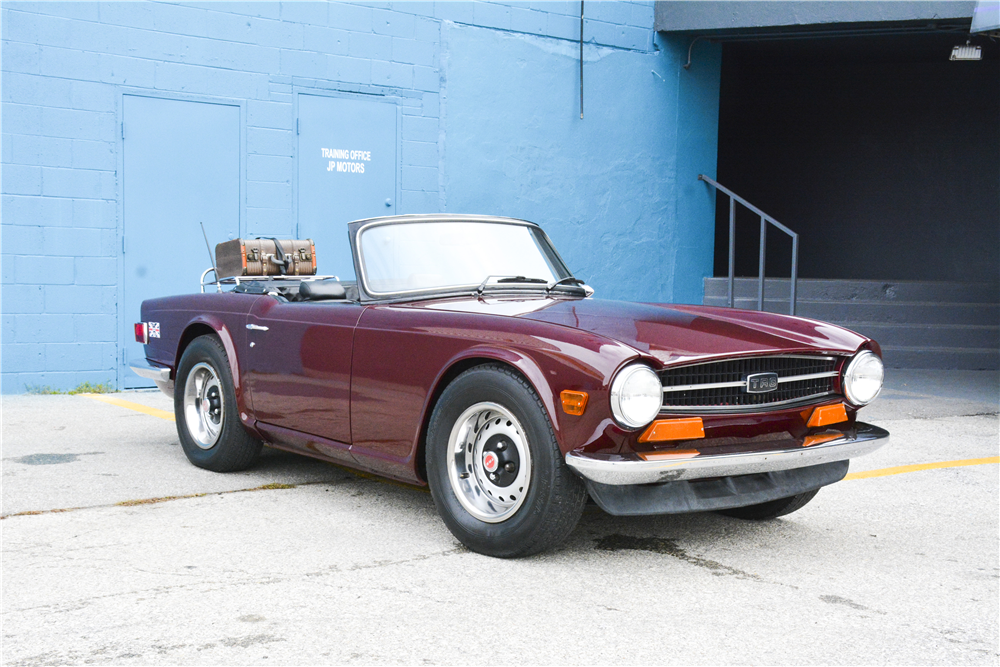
825	415
574	402
674	429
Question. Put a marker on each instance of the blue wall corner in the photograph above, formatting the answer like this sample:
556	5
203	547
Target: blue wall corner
697	150
612	189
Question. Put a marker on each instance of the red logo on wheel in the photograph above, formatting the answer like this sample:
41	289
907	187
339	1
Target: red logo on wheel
490	461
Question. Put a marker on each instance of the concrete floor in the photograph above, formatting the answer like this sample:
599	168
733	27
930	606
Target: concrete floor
899	569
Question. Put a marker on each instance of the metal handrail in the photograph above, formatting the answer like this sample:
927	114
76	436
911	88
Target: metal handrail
764	219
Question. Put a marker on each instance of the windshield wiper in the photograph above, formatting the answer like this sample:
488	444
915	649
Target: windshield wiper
568	280
510	279
522	279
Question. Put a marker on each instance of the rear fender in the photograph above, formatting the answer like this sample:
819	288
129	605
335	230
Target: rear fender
198	326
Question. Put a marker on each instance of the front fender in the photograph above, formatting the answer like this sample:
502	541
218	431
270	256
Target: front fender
549	373
527	366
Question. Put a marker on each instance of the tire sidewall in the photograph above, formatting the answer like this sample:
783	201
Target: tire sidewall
491	385
206	349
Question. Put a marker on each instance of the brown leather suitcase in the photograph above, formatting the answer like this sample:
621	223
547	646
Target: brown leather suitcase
265	257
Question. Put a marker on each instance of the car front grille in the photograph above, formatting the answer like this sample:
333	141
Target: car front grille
722	385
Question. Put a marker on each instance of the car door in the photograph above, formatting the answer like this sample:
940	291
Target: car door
299	370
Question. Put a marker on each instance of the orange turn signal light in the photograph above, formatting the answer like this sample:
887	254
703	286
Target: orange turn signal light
674	429
828	414
573	402
820	438
670	454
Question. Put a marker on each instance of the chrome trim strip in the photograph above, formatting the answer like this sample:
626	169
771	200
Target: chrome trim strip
710	385
762	407
810	376
636	471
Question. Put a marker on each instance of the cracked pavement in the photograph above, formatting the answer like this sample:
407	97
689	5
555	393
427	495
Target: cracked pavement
342	569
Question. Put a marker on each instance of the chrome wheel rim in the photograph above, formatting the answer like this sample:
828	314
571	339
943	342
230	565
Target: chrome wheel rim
489	463
204	405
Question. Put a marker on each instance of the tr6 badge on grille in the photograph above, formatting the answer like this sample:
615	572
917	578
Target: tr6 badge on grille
761	383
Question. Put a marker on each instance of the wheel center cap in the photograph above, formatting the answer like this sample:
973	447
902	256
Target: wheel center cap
491	461
205	405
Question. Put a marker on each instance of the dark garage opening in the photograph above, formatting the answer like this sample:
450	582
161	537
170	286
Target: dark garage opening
880	152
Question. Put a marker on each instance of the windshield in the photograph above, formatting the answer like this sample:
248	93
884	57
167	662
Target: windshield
418	256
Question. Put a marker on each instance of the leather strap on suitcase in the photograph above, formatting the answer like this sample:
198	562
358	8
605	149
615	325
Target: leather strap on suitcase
265	257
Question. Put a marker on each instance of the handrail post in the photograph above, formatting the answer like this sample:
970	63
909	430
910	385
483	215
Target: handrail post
795	273
764	219
732	250
760	278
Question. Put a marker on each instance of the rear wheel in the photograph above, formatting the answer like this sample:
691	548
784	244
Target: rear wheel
496	473
772	509
205	409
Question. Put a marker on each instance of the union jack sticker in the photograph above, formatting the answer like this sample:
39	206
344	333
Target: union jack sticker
154	329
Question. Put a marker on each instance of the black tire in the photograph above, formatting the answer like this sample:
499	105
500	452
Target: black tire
232	447
546	513
772	509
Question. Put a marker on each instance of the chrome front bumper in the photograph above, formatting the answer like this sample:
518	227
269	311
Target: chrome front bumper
620	471
160	376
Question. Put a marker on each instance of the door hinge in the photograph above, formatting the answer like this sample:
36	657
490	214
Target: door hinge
123	244
123	129
296	126
124	356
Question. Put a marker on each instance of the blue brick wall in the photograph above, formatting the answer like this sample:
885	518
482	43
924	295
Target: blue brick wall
66	64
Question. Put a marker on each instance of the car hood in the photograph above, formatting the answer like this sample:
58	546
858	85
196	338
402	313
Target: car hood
676	333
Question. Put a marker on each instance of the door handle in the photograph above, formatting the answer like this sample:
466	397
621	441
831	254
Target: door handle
256	327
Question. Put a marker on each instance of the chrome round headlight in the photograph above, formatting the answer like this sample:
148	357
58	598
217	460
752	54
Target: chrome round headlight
636	396
863	378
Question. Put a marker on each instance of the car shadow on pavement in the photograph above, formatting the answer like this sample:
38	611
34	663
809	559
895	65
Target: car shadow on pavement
598	535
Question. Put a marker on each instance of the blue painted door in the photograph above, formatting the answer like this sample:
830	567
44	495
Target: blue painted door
181	167
347	167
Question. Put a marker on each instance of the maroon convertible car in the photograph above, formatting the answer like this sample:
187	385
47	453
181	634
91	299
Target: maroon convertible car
466	357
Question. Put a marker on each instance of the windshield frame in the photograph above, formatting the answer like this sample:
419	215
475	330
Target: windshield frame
355	230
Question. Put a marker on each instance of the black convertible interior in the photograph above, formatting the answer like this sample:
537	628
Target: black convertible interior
327	289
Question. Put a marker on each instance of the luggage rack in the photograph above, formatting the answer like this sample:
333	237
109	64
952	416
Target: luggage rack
237	280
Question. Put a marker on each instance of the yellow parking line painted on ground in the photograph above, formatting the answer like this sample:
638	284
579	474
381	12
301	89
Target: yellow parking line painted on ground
882	472
138	407
899	470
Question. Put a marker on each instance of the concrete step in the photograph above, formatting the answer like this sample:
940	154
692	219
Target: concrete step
967	359
900	312
918	324
860	290
939	335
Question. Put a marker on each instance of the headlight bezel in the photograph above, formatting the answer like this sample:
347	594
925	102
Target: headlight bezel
847	378
618	384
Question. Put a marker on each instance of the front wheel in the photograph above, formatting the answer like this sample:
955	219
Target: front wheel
772	509
496	473
208	421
